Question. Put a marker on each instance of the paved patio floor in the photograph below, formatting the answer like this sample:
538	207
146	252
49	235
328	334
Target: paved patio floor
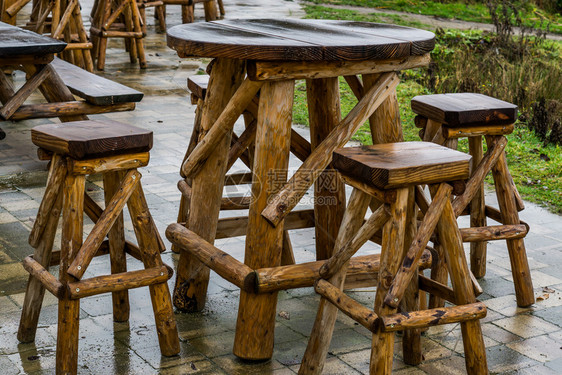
518	341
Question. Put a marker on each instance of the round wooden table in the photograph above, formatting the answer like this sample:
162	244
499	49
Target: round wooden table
268	55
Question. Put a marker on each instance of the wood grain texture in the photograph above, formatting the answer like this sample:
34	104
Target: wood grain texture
317	349
43	255
298	40
192	276
15	41
516	247
91	139
256	313
465	109
93	88
393	165
478	249
287	198
324	114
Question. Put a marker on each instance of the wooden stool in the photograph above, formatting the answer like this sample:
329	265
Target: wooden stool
115	150
388	173
104	26
446	117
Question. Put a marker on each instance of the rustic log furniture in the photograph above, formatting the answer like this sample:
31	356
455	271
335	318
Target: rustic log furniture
62	20
390	172
115	150
56	79
267	55
444	119
188	10
117	19
25	50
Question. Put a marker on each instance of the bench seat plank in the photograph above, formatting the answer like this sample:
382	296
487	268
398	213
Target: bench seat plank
93	88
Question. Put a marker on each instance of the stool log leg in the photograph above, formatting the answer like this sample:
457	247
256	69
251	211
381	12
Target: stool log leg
147	237
69	310
449	234
192	276
111	184
329	191
256	314
411	341
477	213
35	290
516	247
382	346
321	335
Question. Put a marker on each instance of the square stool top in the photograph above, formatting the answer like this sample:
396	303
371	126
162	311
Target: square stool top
393	165
464	109
92	138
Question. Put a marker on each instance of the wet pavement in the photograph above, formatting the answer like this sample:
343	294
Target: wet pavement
518	341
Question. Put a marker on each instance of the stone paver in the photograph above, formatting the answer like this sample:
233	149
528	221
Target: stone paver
519	341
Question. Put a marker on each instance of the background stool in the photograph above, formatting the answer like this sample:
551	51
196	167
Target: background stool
115	150
388	172
117	19
446	117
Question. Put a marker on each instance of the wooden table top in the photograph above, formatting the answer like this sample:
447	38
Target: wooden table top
15	41
298	40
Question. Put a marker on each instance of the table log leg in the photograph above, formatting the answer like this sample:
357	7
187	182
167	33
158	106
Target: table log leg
111	184
516	247
256	314
192	276
329	190
69	309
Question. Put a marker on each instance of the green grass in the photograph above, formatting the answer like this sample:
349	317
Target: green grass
536	169
320	12
473	12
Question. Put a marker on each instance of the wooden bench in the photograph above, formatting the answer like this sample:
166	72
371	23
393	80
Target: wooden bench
100	95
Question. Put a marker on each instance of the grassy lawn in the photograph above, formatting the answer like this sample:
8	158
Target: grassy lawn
536	167
473	12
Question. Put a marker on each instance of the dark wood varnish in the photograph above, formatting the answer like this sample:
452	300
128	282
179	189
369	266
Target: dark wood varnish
90	139
15	41
298	40
405	163
93	88
464	109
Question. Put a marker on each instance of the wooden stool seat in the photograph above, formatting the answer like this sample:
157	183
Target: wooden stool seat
465	109
92	139
393	165
114	150
384	178
444	118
